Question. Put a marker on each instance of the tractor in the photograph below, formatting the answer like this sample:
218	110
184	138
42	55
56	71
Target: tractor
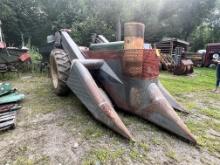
206	58
212	54
118	75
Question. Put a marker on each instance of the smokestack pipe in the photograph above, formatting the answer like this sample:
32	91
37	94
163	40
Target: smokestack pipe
133	46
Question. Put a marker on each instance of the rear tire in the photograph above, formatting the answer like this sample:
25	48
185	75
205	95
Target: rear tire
213	66
59	71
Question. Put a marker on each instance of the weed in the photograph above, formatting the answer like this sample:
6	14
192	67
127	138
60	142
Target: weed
103	155
171	154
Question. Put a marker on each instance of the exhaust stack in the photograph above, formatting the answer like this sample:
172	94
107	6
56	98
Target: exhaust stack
134	40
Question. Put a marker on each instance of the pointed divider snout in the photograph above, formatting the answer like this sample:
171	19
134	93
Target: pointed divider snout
162	114
83	85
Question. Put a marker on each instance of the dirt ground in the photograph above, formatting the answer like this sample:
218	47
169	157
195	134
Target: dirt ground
60	131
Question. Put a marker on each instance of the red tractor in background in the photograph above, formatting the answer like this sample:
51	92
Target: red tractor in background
205	58
212	54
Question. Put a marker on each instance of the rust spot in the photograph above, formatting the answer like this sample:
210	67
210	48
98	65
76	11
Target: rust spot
138	63
107	109
135	98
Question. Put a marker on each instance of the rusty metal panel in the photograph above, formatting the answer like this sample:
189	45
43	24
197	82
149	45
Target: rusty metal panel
132	62
9	107
150	64
139	63
105	55
187	62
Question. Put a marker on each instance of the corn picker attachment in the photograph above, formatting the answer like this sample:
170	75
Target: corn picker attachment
121	75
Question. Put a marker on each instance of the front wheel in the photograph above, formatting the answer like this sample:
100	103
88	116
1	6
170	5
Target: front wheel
59	71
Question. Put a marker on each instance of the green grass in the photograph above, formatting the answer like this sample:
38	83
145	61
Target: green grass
171	154
137	152
102	155
21	160
211	112
193	92
202	80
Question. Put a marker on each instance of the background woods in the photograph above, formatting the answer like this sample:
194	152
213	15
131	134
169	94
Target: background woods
196	21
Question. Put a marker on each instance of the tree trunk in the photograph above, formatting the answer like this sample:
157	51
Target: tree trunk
118	29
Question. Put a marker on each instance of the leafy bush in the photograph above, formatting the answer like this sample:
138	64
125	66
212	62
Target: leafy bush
35	55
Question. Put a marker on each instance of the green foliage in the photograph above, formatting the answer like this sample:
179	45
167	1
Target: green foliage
36	19
82	31
209	30
184	16
103	156
23	17
200	37
35	55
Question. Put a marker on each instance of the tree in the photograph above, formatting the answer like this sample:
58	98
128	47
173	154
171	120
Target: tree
163	18
25	18
184	16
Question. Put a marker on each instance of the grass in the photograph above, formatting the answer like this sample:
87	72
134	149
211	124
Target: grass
171	154
136	151
202	80
21	157
106	147
211	112
139	151
195	93
102	155
21	160
40	98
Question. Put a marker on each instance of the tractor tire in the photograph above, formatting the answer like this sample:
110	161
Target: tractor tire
59	71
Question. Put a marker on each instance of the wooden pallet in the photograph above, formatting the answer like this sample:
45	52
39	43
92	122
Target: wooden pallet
7	120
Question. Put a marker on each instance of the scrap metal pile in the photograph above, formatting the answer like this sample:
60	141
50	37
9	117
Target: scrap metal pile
11	57
8	106
116	75
173	56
